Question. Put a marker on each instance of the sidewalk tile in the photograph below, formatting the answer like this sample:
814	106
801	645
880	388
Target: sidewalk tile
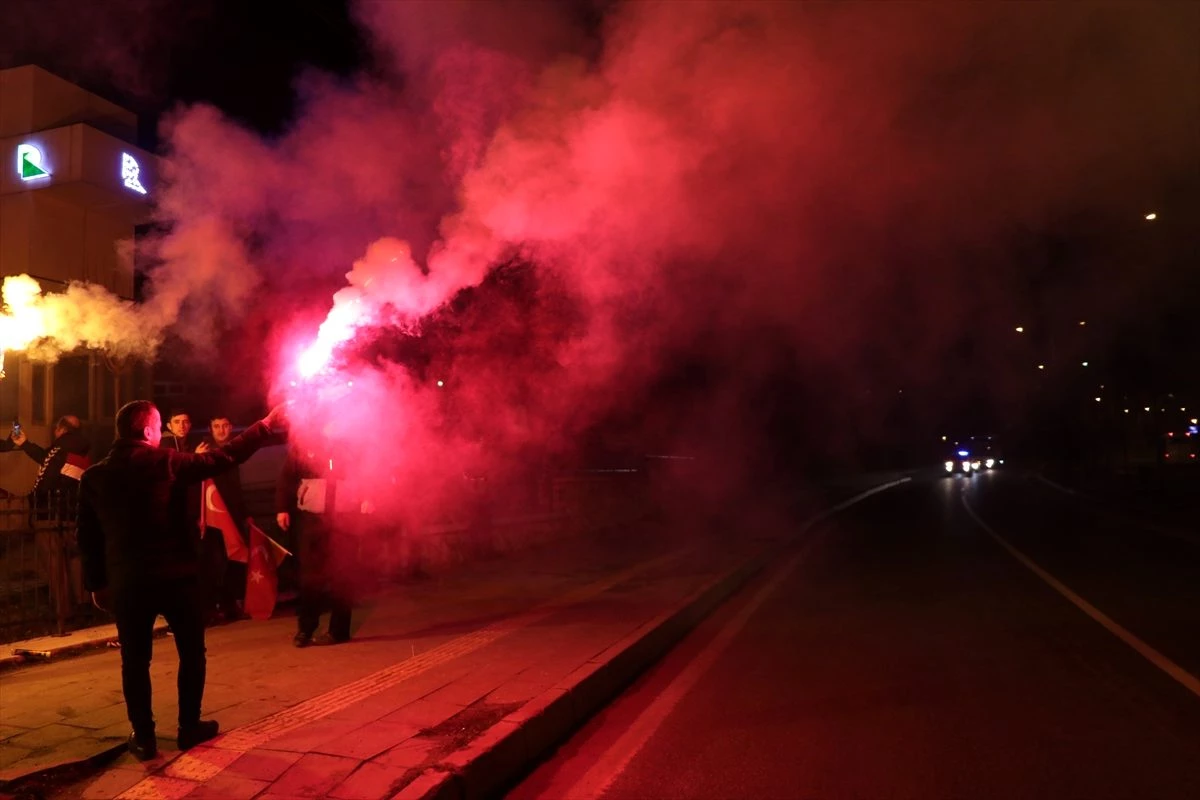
410	753
263	765
33	717
47	736
369	741
424	713
9	731
313	776
11	755
310	736
111	783
369	781
228	787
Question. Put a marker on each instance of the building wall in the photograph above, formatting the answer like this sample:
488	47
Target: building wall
62	227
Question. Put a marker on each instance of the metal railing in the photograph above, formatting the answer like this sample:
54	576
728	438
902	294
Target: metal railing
41	582
41	577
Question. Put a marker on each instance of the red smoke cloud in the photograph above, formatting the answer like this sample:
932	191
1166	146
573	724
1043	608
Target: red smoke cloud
763	184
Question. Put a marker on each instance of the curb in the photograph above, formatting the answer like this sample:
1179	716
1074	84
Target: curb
504	752
20	657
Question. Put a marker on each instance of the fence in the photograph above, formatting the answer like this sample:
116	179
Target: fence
488	518
41	580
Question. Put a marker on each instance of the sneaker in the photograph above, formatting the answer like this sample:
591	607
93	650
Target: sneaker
193	735
302	639
143	748
328	639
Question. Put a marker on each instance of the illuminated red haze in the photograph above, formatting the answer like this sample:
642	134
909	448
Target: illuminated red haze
739	186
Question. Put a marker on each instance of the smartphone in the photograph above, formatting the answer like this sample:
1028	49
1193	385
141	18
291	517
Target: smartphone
16	428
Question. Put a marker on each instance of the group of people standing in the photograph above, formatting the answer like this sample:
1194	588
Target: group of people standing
144	553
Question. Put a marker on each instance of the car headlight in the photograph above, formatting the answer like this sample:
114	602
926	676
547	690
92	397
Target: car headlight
966	466
949	466
991	462
975	465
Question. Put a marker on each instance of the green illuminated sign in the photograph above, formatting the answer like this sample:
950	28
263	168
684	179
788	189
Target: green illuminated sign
29	163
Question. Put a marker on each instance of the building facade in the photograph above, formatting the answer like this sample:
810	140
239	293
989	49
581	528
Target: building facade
73	188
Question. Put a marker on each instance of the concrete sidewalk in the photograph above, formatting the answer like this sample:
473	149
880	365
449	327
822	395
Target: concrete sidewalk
450	688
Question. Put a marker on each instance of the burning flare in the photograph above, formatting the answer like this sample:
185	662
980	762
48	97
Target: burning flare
84	315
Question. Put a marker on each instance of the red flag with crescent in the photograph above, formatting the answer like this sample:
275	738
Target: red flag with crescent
215	514
262	580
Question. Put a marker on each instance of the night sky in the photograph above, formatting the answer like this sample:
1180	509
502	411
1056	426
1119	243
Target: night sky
962	174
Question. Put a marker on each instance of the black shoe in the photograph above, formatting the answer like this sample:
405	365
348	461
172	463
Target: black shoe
193	735
302	639
143	748
328	639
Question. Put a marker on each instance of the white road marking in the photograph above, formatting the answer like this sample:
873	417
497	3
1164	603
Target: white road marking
616	758
1182	676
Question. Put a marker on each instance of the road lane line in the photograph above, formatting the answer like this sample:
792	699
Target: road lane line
1182	676
600	776
182	775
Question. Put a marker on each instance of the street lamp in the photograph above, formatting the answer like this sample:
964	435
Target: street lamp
1020	329
1151	217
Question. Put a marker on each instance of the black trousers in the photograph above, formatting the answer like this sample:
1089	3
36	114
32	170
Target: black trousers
135	607
326	575
222	582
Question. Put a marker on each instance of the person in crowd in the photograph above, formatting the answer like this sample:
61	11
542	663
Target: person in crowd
311	497
140	558
52	505
224	580
179	429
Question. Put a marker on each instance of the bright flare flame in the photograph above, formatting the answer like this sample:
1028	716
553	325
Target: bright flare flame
338	328
22	322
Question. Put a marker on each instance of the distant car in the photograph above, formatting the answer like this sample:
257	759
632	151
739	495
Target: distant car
973	454
1180	447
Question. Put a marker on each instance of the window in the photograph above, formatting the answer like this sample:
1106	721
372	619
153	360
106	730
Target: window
37	391
71	385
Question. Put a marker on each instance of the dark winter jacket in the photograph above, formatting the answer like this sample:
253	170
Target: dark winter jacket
55	472
133	520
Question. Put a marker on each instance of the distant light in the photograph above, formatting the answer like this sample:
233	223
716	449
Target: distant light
441	383
1194	421
1182	409
991	462
349	383
949	466
1127	411
293	383
1085	363
1151	216
944	438
1082	322
963	453
1147	408
1020	329
1097	399
1041	366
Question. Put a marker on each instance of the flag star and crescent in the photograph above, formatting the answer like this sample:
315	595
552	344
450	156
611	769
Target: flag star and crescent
261	559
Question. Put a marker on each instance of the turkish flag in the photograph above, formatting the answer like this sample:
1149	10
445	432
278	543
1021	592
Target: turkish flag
262	581
215	514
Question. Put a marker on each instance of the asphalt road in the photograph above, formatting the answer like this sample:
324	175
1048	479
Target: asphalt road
1015	645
